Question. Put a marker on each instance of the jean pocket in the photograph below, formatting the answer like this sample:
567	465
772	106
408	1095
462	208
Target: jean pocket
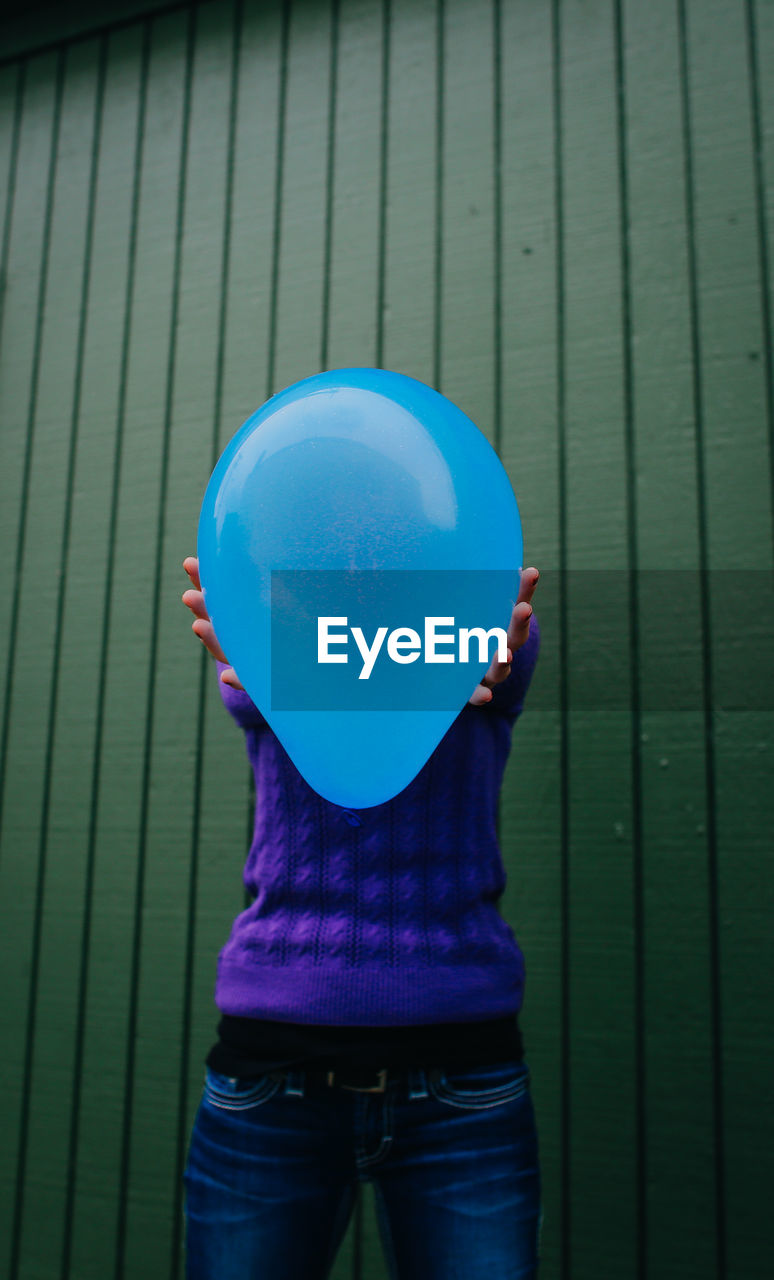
234	1093
477	1088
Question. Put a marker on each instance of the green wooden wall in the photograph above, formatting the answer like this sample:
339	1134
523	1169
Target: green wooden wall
556	213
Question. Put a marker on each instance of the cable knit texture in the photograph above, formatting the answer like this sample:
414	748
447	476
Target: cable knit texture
384	916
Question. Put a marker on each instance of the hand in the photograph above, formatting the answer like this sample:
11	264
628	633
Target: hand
518	633
202	626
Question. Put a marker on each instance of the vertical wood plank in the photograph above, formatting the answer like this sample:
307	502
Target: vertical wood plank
301	250
603	1151
11	105
27	232
22	747
526	425
466	369
351	336
760	50
677	999
410	229
257	159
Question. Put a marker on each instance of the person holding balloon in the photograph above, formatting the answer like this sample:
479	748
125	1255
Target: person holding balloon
369	995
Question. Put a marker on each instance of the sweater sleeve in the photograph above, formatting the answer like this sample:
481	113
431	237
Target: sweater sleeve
508	696
239	703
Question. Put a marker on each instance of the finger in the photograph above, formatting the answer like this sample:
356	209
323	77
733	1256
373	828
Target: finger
480	695
230	677
204	629
518	629
527	583
195	602
498	671
191	566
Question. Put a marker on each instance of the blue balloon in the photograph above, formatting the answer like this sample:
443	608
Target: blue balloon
368	500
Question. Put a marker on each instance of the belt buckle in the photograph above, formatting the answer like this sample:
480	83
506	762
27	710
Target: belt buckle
358	1088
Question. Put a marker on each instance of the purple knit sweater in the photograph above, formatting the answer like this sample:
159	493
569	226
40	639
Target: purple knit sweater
385	916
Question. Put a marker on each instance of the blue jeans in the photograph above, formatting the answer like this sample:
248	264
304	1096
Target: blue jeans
273	1167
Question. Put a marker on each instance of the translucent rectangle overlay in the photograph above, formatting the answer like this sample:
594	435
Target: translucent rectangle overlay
658	640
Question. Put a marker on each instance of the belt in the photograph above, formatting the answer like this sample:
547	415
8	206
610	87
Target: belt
359	1081
362	1080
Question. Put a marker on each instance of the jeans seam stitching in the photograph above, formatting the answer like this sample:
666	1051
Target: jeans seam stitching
239	1102
475	1101
364	1161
